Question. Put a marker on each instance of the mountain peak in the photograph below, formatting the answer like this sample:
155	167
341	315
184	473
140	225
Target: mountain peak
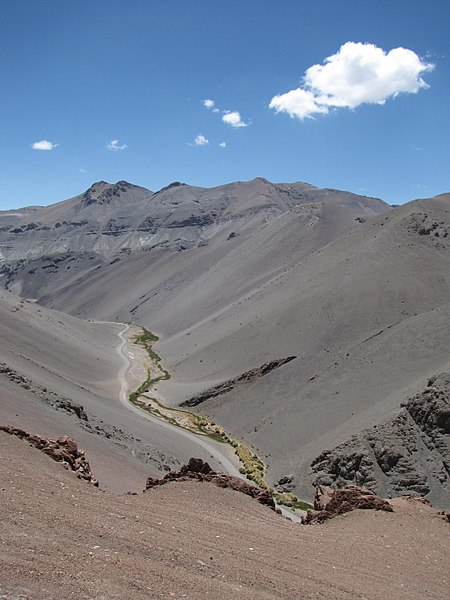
102	192
174	184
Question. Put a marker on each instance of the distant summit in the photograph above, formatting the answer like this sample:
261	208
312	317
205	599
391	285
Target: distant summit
103	192
172	185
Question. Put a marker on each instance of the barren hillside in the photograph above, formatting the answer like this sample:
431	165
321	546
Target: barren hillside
354	293
193	540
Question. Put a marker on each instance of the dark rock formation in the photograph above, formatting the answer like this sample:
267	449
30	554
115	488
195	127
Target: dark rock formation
199	470
285	484
228	385
422	224
408	454
103	193
54	400
172	185
192	221
329	503
63	450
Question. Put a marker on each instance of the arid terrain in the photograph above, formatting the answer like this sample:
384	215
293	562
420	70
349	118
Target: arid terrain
293	334
63	538
353	292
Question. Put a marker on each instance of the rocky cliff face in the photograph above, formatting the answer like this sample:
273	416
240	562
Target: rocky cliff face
408	454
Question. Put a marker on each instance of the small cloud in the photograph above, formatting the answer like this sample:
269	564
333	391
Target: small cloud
223	144
208	103
233	118
44	145
357	74
215	110
200	140
82	170
114	146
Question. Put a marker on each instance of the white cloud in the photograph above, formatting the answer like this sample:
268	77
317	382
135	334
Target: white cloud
208	103
44	145
223	144
357	74
115	146
215	110
200	140
233	118
82	170
297	103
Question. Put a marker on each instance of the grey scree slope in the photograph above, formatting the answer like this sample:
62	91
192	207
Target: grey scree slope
236	276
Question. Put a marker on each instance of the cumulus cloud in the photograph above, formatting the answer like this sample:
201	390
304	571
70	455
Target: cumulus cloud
230	117
43	145
233	118
357	74
297	103
115	146
200	140
223	144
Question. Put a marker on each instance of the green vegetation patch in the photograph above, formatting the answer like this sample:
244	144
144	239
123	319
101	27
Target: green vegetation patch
252	466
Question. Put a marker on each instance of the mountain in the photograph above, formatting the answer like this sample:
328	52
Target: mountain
353	292
40	245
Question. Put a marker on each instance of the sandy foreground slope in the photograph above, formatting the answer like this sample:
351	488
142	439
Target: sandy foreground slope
62	538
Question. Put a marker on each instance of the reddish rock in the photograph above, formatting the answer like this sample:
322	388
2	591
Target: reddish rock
201	471
69	443
196	465
329	503
63	450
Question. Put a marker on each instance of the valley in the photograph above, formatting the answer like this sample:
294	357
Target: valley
232	279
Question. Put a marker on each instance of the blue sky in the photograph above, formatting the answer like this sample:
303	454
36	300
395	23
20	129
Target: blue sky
116	90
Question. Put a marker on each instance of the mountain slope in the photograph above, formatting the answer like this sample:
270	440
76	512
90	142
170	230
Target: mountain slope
247	274
61	375
194	540
407	453
367	317
44	248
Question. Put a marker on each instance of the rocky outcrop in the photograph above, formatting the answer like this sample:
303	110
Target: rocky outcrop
103	193
54	400
422	224
64	450
228	385
407	454
199	470
329	503
192	221
172	185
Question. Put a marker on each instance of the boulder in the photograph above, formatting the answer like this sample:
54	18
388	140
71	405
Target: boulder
329	503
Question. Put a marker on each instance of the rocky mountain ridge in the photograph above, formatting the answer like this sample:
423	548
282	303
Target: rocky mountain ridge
409	453
109	221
